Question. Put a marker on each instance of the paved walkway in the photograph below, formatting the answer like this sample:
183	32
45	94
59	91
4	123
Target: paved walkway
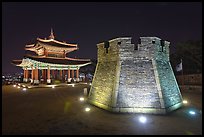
59	111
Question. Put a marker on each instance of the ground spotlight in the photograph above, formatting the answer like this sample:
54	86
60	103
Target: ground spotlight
53	86
14	85
72	85
192	112
24	89
87	109
142	119
185	101
81	99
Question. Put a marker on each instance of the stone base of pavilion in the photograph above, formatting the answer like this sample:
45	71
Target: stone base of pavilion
41	85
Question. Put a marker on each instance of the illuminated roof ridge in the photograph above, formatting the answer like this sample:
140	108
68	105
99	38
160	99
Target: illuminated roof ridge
30	45
66	58
50	40
77	59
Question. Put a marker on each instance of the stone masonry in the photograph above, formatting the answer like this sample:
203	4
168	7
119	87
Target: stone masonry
135	79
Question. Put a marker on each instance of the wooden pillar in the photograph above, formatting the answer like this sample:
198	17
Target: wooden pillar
48	75
36	80
32	74
27	75
68	76
61	75
72	74
77	75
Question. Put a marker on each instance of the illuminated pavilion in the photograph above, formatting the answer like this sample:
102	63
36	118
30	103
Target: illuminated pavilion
51	62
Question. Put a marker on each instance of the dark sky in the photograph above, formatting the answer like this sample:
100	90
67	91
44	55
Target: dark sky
90	23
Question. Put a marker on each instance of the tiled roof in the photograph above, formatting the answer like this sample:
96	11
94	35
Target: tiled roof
56	43
16	62
62	61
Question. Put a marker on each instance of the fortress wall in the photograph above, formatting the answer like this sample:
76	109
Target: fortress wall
129	80
102	89
137	86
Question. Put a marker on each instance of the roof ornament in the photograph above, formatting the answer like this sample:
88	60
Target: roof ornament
51	34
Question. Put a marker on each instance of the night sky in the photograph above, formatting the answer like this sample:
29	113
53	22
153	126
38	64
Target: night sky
90	23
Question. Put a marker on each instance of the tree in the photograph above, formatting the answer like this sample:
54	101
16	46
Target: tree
191	54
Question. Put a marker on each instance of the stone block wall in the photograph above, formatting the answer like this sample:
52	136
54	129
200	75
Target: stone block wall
138	81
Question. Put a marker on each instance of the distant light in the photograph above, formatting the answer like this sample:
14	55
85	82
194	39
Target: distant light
192	112
23	85
185	101
90	84
18	87
3	76
14	85
24	89
87	109
81	99
143	119
19	84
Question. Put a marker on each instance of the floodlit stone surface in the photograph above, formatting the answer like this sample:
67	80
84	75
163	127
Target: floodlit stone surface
135	80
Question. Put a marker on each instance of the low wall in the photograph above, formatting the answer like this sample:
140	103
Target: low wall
191	88
191	79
